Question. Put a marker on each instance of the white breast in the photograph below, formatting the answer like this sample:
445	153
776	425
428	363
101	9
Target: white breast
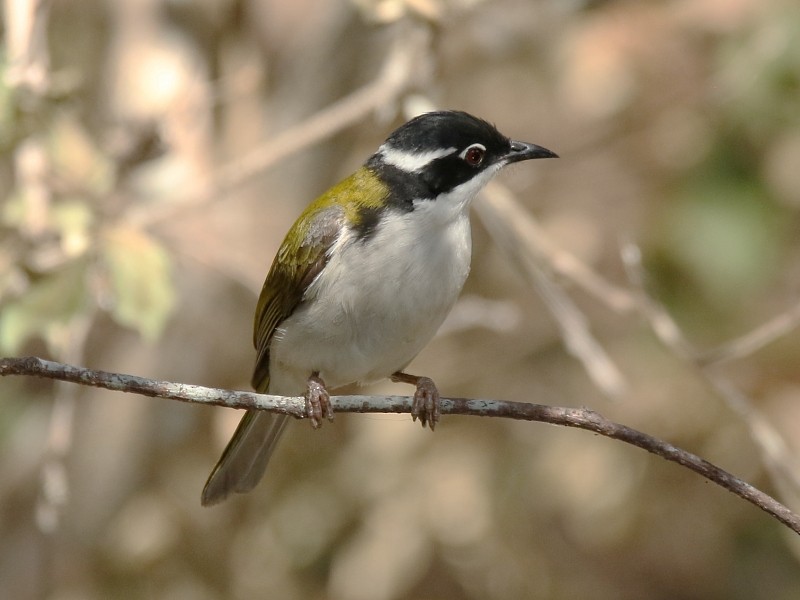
378	301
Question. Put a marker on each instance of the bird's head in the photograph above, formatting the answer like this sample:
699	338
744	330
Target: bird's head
448	152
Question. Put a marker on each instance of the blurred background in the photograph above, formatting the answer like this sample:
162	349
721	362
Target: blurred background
154	152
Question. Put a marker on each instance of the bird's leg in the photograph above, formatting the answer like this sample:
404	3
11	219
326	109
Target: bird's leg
318	401
426	398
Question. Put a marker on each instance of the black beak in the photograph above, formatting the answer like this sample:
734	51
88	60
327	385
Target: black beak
525	151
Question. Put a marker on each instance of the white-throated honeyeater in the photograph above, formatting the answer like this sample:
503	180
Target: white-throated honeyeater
365	277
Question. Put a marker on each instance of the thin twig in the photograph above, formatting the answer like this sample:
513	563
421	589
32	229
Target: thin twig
497	200
754	340
661	322
776	454
780	461
518	236
580	418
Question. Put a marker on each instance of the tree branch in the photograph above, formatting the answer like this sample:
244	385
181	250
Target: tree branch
580	418
405	63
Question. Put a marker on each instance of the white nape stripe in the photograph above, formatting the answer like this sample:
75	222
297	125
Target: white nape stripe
411	162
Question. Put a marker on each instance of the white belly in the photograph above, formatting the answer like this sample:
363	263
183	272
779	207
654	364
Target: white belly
377	302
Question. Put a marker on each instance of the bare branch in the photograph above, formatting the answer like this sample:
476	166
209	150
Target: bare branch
662	324
777	456
400	70
580	418
499	203
518	235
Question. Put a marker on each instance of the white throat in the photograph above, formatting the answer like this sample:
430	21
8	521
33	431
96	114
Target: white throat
457	201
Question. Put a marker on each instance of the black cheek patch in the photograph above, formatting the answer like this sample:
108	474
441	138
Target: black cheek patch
403	187
446	173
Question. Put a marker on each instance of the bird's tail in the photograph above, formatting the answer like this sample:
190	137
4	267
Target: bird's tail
245	458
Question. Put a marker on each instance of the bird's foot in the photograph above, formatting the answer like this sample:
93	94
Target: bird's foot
426	404
318	401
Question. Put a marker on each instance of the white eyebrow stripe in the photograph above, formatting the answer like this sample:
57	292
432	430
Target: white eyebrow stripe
411	162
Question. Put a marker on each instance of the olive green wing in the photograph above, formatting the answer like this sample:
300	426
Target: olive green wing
296	265
353	202
301	257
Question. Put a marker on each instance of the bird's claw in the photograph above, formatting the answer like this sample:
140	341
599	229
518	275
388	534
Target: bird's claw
426	405
318	401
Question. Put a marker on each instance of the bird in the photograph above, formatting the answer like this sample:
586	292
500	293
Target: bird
365	277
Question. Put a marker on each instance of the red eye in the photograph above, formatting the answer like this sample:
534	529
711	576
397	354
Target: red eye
474	155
